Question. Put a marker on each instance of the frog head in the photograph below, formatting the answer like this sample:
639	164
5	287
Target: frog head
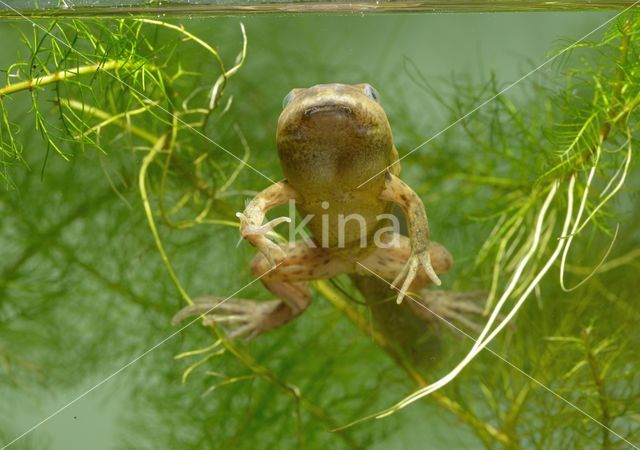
333	134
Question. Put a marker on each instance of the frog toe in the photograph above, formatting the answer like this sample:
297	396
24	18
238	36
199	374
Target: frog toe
408	272
239	318
425	261
452	308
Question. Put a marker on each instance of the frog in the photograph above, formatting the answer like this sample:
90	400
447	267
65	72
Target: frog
339	160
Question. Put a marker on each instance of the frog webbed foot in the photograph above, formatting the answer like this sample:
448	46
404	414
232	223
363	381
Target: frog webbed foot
450	307
410	271
238	317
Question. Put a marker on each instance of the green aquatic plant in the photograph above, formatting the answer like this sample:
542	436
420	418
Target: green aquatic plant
587	136
113	86
546	170
575	141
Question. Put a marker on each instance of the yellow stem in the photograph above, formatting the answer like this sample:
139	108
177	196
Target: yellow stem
142	178
337	299
109	118
62	75
190	36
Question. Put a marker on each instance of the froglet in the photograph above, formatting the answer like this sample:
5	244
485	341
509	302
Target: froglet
342	171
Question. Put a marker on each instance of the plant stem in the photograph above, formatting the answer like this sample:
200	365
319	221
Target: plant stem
600	386
142	184
109	118
614	117
483	429
62	75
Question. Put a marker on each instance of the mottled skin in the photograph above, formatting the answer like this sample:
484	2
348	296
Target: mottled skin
337	154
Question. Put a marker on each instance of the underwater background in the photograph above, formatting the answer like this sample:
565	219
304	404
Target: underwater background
84	282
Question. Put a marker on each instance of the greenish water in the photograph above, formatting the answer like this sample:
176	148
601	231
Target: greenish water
83	290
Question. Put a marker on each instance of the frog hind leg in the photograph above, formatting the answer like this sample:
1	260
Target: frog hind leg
430	305
287	281
454	309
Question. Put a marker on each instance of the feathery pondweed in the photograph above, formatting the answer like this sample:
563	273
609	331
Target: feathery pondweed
542	180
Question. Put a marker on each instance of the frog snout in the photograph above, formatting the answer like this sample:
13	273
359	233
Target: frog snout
327	108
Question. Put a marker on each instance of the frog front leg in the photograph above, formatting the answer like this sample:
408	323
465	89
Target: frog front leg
249	317
251	227
433	306
397	191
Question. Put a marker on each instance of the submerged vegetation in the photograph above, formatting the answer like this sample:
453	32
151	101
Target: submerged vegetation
549	206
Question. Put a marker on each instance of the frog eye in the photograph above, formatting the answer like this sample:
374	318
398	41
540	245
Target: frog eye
287	99
370	92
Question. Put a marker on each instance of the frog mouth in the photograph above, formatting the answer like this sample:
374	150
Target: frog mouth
327	108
